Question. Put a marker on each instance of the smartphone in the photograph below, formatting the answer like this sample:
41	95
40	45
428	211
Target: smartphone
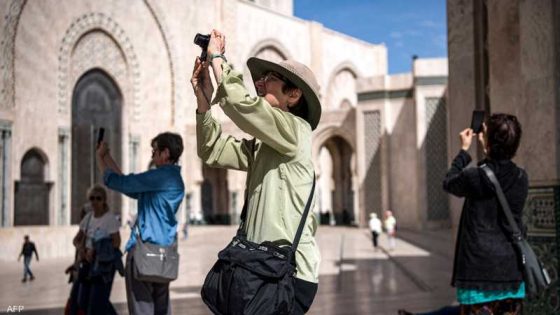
477	119
100	135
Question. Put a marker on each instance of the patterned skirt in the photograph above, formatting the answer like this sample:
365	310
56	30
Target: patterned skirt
501	307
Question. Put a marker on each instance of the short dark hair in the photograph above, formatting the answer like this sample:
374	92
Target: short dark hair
171	141
300	109
504	135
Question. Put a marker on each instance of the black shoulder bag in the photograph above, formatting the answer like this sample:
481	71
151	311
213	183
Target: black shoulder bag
535	275
251	278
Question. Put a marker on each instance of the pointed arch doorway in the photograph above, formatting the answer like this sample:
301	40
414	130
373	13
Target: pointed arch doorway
335	182
96	103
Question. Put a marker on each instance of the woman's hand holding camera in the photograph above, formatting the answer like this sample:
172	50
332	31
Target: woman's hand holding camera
217	44
202	85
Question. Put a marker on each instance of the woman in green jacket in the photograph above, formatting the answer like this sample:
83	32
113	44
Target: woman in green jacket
279	165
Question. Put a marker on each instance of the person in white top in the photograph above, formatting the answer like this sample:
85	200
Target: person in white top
390	227
375	227
97	224
100	223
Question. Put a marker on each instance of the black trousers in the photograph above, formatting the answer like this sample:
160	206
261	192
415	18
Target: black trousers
374	236
305	294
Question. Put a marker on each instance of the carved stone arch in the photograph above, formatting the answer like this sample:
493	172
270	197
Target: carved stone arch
170	50
7	51
327	132
88	24
337	177
35	155
272	44
334	94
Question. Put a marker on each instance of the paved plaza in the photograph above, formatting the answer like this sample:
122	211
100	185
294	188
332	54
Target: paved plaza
414	276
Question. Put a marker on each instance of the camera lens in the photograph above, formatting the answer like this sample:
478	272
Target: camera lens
202	40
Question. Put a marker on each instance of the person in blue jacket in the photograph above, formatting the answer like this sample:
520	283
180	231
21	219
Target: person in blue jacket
159	193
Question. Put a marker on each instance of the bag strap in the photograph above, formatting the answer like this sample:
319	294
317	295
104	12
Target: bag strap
301	225
304	217
136	228
301	222
89	215
503	201
243	216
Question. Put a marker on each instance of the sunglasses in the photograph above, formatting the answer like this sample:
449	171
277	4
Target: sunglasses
98	198
271	76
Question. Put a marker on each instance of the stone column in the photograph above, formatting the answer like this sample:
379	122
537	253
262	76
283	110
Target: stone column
6	178
63	208
465	76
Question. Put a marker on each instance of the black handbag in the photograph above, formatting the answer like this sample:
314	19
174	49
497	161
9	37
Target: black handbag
251	278
535	276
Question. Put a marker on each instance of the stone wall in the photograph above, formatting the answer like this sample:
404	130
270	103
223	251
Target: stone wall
147	48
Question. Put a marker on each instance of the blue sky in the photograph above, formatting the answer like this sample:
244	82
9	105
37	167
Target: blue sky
407	27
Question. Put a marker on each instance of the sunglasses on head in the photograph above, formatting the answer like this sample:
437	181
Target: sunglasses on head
98	198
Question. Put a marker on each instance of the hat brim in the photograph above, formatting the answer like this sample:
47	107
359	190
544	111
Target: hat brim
258	67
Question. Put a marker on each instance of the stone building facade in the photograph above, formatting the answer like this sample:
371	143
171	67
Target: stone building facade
71	67
401	125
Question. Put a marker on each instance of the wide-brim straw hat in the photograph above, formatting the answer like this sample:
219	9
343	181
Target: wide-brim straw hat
297	73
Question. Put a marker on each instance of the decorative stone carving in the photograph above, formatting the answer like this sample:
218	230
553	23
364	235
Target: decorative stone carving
372	138
436	158
93	40
7	48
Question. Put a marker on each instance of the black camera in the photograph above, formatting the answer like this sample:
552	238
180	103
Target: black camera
202	41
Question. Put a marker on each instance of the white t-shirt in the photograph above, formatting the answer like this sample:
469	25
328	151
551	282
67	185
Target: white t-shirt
98	228
375	225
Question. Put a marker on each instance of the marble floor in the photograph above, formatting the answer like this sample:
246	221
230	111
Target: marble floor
354	279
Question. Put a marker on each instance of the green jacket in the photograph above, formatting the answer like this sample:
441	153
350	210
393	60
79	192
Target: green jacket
280	175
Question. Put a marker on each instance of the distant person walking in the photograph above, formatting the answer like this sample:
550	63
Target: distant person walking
375	228
27	252
487	272
390	227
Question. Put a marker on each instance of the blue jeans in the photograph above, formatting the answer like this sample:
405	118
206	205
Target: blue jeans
26	269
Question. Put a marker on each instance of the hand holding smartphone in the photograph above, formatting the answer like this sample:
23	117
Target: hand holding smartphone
100	135
477	120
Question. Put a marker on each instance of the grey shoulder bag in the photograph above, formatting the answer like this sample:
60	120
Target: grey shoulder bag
534	274
155	263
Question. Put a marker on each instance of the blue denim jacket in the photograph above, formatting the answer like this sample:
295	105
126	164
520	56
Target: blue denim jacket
107	260
159	193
